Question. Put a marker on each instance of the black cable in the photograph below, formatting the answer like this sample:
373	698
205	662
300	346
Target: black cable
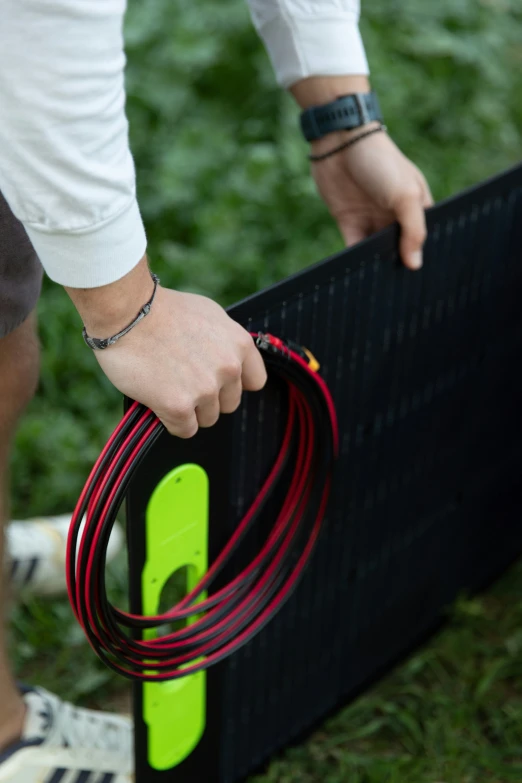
237	612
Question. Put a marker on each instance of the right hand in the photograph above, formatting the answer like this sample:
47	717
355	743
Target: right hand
187	360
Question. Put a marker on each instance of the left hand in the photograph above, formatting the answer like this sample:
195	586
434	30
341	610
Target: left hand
369	185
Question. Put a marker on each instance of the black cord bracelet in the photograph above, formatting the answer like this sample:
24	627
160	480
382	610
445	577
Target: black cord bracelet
346	144
99	344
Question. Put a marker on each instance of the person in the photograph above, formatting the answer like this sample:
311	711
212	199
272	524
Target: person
68	205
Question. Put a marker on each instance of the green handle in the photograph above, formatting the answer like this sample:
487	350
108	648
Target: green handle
176	537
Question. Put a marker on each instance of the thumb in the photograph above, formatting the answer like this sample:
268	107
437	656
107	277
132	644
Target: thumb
410	214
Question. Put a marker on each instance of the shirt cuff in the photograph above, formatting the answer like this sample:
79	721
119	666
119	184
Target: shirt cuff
94	256
300	48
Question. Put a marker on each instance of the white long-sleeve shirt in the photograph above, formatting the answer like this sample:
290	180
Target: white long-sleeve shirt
65	165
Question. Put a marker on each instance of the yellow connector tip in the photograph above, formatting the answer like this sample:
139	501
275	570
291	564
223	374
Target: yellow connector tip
313	363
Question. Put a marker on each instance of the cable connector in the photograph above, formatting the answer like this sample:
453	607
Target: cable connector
268	342
305	354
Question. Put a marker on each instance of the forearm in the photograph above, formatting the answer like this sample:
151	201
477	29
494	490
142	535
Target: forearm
317	90
317	52
65	165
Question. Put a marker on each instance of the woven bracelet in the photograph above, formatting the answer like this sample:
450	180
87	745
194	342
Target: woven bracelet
346	144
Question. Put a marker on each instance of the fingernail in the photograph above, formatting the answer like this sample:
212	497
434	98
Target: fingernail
416	259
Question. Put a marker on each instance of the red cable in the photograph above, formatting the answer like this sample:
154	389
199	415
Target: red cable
245	595
150	644
83	495
169	616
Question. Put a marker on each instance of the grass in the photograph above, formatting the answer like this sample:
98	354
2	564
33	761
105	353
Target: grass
452	713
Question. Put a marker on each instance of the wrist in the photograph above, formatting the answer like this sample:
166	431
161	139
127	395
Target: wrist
335	139
108	309
318	90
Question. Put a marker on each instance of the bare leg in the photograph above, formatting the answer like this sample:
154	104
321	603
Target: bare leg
19	366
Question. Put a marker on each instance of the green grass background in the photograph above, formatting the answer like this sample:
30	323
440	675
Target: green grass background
230	207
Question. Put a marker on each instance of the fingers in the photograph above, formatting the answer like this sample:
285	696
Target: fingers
208	413
181	423
185	424
427	198
251	375
352	234
230	397
185	419
410	214
254	371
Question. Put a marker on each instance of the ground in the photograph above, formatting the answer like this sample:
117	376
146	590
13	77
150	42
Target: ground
451	713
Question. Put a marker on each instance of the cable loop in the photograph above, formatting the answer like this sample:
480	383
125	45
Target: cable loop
229	617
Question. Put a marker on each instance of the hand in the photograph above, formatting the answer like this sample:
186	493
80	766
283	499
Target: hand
187	360
371	184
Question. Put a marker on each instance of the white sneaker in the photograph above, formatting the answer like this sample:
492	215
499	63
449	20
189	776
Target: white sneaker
65	744
35	552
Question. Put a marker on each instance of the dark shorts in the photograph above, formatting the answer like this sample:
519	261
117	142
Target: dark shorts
20	272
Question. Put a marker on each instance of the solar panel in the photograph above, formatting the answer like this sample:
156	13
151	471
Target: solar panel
427	497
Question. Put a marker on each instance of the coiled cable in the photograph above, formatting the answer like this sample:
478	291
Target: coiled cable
217	625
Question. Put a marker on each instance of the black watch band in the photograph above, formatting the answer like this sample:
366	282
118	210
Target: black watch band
346	113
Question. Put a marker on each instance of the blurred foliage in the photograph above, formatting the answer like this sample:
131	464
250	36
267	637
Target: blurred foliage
224	183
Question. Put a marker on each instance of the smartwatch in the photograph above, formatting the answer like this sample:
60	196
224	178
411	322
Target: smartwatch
346	113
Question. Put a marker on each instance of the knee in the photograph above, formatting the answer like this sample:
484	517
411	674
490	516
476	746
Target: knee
19	370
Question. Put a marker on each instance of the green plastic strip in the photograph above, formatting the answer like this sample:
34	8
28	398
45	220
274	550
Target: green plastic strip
176	537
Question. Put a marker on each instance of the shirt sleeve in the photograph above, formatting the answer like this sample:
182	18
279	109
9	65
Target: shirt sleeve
65	165
306	38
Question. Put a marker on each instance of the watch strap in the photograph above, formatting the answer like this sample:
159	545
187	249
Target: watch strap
345	113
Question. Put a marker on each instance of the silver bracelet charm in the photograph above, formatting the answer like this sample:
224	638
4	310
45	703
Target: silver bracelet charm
98	344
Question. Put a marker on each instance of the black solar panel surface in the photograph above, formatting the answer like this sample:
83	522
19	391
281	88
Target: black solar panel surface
427	498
